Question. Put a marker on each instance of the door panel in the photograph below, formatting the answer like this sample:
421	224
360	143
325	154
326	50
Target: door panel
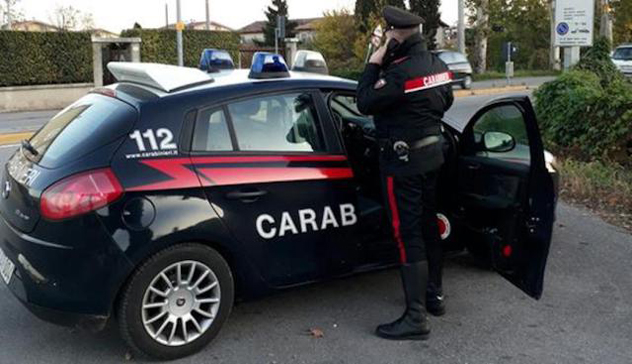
507	197
279	185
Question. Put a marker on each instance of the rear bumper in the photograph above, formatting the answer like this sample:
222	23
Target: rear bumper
66	285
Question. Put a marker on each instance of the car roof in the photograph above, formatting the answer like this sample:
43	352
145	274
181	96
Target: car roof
148	82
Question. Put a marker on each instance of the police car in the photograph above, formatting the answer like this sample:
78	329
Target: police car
163	198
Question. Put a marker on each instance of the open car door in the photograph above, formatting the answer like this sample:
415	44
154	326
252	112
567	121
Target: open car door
505	194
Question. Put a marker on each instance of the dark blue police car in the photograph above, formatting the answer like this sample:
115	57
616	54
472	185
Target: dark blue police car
163	198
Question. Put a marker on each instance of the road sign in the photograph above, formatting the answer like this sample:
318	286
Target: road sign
281	26
574	23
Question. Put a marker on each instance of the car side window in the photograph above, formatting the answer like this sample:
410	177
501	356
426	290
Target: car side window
278	123
211	132
501	133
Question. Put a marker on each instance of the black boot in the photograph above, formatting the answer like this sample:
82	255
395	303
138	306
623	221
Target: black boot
435	304
413	325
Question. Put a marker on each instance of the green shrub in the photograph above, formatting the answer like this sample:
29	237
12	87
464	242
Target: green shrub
34	58
582	117
351	74
597	60
159	45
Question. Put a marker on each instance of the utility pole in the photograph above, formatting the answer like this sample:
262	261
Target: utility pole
9	20
179	28
606	20
166	16
461	27
554	58
208	16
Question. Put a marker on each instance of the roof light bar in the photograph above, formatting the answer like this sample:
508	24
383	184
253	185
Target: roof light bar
268	65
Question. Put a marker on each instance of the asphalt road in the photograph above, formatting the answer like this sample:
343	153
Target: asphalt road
585	315
520	81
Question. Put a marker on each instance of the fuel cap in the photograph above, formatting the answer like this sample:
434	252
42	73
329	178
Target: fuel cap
139	213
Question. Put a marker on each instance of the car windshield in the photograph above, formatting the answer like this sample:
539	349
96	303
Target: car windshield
623	54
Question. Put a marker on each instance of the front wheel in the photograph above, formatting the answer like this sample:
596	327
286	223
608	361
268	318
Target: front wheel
176	302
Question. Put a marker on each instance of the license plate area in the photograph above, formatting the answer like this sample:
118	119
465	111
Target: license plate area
6	268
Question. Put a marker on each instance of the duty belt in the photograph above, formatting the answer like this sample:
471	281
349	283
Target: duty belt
402	148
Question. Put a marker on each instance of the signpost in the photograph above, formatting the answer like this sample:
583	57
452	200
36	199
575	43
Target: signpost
179	29
574	27
279	32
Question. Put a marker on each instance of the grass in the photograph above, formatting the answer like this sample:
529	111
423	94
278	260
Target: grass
521	73
603	187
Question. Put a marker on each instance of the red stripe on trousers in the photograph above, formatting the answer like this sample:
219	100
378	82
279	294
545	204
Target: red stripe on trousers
395	219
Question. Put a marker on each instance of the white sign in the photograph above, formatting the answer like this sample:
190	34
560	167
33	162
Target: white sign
574	23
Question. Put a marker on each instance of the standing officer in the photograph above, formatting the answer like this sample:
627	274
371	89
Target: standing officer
408	89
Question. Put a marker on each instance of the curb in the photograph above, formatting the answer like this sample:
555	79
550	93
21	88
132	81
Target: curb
14	138
491	91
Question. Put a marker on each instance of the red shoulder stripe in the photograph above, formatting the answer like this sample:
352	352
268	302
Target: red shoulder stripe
426	82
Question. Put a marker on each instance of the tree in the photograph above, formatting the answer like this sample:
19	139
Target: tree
70	18
366	9
335	34
482	29
279	7
622	13
9	11
506	21
429	10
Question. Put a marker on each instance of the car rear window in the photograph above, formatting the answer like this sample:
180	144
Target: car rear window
83	127
623	54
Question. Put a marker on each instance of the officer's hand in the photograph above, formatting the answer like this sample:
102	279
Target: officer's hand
378	56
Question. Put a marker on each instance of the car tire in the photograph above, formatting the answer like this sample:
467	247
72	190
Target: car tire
467	83
143	299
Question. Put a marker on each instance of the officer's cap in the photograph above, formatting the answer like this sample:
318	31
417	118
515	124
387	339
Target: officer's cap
400	19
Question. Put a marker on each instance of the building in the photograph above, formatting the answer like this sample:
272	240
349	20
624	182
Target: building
32	26
38	26
201	25
443	35
254	32
102	33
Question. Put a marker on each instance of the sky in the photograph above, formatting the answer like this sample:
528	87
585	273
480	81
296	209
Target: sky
116	15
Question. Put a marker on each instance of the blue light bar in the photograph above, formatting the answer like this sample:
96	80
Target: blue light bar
215	60
268	65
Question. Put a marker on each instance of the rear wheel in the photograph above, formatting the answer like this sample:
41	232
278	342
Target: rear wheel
467	83
176	302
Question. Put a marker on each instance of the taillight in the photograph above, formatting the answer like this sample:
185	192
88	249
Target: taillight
80	194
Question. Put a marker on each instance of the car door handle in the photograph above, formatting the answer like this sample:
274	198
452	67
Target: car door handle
246	196
473	166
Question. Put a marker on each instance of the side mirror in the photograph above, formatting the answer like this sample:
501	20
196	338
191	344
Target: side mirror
498	142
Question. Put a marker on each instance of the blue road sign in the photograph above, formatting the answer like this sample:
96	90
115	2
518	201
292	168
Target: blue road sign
562	28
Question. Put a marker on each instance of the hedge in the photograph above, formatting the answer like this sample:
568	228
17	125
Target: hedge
587	112
34	58
159	45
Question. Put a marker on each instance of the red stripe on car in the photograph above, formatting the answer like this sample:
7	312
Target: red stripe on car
236	176
426	82
183	176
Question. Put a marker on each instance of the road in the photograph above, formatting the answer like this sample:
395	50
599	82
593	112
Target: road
520	81
585	315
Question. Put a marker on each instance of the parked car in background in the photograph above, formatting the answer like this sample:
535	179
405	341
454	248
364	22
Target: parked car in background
622	58
460	67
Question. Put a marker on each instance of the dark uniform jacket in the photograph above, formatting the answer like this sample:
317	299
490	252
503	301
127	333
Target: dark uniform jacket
408	96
